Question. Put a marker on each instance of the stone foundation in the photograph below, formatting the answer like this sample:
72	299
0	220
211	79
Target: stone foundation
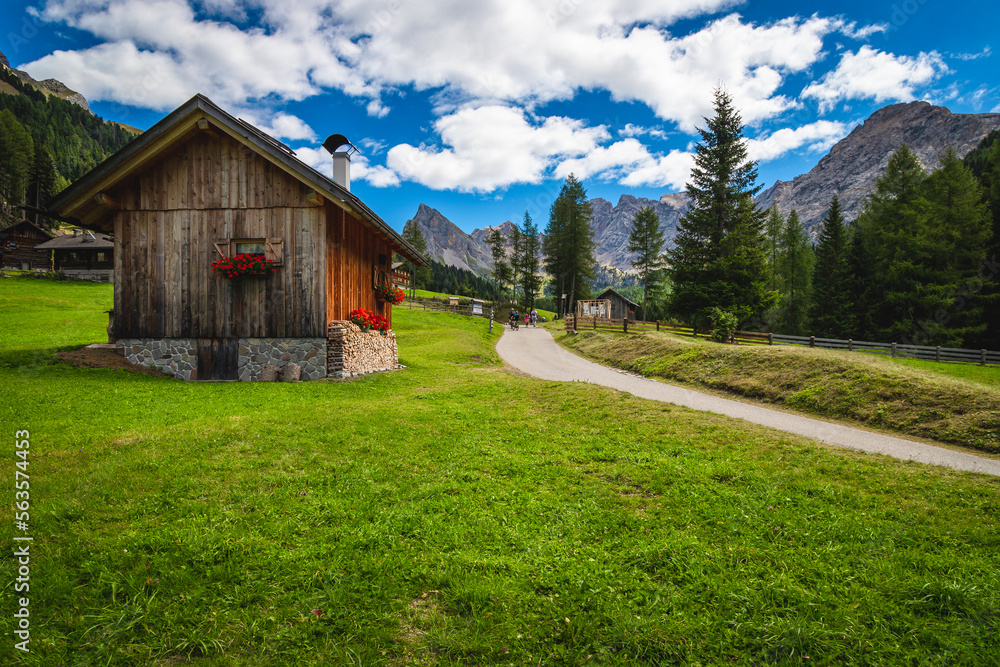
176	356
308	353
179	356
351	351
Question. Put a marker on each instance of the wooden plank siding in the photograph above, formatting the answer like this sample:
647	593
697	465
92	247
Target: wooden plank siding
207	189
352	251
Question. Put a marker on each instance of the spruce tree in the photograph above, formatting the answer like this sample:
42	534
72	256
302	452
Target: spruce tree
796	265
958	231
516	242
894	235
530	263
569	245
719	259
646	239
988	297
772	245
830	314
501	269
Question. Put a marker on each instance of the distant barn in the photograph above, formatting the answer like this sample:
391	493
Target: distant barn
201	185
19	242
621	308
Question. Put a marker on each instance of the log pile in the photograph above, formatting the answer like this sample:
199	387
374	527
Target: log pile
351	351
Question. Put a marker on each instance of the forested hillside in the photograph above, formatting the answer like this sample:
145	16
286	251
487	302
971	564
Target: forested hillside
45	143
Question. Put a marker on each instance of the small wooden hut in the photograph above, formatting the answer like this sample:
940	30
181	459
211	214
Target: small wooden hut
19	242
201	185
621	308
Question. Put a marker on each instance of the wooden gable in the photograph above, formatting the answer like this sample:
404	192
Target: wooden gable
178	212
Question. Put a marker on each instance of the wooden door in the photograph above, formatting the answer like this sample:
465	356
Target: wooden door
218	358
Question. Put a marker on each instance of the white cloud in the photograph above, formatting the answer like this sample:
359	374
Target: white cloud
874	74
816	137
518	50
287	126
492	147
631	130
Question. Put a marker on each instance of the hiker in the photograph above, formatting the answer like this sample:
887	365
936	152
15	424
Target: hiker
534	317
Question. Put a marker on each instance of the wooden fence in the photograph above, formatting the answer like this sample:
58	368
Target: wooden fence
943	354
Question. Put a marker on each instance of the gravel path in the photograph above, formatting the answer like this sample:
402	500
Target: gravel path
536	353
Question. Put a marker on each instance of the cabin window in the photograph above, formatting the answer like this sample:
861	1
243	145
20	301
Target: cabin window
100	257
248	247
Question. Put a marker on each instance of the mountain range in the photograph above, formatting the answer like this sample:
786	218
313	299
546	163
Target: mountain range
849	170
48	87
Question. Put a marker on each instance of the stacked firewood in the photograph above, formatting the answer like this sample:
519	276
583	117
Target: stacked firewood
351	351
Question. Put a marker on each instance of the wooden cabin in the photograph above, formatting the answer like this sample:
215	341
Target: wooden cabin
201	185
82	254
19	242
621	308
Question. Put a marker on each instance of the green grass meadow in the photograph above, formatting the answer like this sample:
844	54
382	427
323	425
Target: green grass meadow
455	513
948	403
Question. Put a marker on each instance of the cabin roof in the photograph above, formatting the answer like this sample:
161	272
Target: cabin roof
8	228
82	205
85	241
611	290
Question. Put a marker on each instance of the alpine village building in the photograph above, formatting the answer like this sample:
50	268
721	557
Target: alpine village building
201	185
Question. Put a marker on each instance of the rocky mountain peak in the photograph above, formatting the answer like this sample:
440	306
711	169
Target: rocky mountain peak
48	87
855	162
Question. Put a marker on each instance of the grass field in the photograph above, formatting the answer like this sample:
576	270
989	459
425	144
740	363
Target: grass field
943	402
457	514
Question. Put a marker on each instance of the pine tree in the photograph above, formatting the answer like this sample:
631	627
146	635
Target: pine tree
646	239
988	297
830	314
569	245
41	185
501	269
894	235
958	231
719	258
16	158
772	245
796	265
530	262
516	242
419	275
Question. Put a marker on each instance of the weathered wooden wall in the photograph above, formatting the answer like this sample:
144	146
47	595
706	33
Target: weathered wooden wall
352	251
208	189
24	238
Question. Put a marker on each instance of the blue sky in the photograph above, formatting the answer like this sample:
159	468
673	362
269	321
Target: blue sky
481	108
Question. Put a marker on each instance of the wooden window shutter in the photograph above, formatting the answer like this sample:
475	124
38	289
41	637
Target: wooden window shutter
222	247
274	250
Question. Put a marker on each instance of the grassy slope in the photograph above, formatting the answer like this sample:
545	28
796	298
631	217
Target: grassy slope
455	514
871	390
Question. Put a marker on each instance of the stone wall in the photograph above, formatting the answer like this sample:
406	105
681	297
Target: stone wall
179	356
309	353
351	351
176	356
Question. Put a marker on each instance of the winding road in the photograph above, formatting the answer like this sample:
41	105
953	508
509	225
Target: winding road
534	352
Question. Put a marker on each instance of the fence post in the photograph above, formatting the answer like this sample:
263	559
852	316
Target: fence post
595	323
657	325
937	353
770	338
812	341
893	350
574	323
850	344
625	324
982	357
